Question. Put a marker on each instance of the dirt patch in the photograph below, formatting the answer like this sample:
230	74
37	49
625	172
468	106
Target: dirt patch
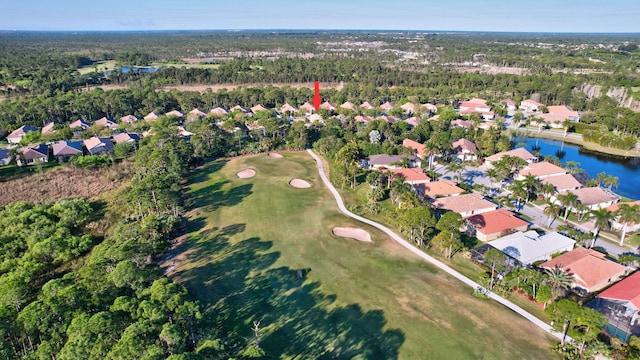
65	182
299	184
353	233
246	174
275	156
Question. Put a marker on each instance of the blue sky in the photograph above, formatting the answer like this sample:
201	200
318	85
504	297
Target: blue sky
464	15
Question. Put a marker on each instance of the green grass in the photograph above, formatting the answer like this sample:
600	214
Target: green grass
358	300
188	66
101	66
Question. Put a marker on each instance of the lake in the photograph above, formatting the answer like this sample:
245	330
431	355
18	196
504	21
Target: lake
626	169
147	69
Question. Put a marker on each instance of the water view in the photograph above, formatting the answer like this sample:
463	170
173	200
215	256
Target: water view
626	169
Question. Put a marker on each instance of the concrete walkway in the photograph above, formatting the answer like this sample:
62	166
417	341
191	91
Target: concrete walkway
544	326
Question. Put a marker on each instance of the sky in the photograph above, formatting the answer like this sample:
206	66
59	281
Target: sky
458	15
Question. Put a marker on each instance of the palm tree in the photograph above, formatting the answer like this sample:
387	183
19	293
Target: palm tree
456	168
601	218
552	210
568	200
494	176
547	189
519	191
581	209
558	279
532	184
399	192
610	181
627	214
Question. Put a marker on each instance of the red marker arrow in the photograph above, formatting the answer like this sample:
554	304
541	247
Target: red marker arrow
316	96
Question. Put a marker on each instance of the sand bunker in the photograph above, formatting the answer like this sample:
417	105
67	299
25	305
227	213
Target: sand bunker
275	156
353	233
246	173
299	183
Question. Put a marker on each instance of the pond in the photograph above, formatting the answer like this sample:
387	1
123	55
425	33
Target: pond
626	169
147	69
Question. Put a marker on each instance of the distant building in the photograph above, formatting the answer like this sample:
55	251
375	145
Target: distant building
16	136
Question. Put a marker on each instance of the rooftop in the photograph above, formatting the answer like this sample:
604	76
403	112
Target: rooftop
588	267
518	152
412	174
495	221
593	196
439	188
464	203
626	290
529	246
543	168
562	182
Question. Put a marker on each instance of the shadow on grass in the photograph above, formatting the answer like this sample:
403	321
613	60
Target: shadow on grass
202	173
211	197
237	284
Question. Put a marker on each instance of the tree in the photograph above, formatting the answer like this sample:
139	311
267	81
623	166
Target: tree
497	260
601	218
519	192
456	168
568	200
450	222
583	324
610	181
544	295
419	221
552	210
627	214
447	243
558	279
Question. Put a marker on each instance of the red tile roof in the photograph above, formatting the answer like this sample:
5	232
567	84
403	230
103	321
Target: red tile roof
627	289
562	182
412	174
416	146
463	145
589	267
542	169
439	188
519	152
464	203
496	221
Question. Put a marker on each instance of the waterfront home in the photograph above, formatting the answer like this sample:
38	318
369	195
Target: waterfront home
63	150
562	183
465	204
31	155
412	176
491	225
518	152
617	225
620	304
589	269
436	189
464	150
16	135
595	197
525	248
541	170
392	161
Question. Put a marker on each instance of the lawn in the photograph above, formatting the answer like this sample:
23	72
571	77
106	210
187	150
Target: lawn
100	66
247	237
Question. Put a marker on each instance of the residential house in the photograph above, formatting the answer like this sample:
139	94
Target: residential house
49	128
530	105
367	105
197	112
540	170
620	304
63	150
126	138
476	106
412	122
307	108
152	116
595	197
327	106
288	108
348	105
565	111
387	106
106	122
98	145
241	109
491	225
525	248
436	189
418	149
129	119
362	119
465	204
175	113
259	107
30	155
5	157
461	124
616	224
80	125
392	161
218	111
186	134
16	136
430	108
562	183
387	118
411	176
409	108
315	117
465	150
518	152
509	104
590	269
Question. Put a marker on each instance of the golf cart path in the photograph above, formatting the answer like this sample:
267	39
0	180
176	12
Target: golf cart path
544	326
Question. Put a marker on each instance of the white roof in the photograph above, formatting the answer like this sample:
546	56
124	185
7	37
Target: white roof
528	247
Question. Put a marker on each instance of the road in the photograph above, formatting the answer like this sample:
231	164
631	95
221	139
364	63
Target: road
400	240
